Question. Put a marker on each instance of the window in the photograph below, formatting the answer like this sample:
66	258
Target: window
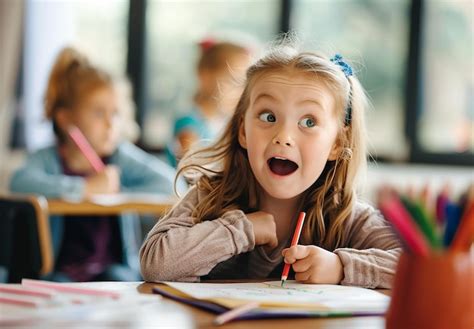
446	122
173	31
103	37
50	26
374	36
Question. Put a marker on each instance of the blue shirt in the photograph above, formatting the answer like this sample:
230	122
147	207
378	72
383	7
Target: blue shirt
42	173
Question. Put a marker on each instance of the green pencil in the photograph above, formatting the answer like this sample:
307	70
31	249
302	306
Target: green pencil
422	220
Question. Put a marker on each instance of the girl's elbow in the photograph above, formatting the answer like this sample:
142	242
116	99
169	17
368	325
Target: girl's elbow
155	266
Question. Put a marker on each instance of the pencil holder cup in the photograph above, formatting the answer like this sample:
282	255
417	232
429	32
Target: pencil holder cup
433	292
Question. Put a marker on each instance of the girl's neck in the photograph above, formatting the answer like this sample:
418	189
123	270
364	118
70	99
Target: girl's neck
74	159
284	212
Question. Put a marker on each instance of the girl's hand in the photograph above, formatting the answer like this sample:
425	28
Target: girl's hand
107	182
314	265
264	229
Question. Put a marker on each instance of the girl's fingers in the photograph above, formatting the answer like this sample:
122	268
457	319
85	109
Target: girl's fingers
303	276
296	252
302	265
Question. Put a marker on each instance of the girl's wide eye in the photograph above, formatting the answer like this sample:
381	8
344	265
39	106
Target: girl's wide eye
267	117
307	123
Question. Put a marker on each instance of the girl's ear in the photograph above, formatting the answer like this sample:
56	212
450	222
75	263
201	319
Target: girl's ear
336	149
242	137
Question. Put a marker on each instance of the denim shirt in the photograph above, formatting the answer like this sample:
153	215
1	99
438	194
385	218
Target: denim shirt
42	173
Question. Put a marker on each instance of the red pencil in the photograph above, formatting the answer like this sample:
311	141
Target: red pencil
465	232
393	210
294	242
86	149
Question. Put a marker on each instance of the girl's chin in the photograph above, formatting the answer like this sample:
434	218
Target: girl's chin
284	195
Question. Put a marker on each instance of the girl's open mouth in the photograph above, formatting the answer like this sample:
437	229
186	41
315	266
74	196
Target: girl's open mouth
281	166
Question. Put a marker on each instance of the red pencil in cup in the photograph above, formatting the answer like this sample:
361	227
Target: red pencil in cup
393	209
294	242
86	149
465	233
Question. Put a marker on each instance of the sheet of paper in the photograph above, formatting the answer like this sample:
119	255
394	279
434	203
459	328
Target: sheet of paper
293	294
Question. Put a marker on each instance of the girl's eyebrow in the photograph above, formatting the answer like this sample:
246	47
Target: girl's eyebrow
313	101
263	96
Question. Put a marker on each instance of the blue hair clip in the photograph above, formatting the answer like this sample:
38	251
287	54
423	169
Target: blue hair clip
345	67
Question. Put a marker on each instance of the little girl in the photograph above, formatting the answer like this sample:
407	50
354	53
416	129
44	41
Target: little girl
219	63
90	247
295	143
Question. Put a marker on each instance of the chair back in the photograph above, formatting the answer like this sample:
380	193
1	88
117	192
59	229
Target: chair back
25	238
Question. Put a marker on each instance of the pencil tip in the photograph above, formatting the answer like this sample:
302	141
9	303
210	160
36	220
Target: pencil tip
282	282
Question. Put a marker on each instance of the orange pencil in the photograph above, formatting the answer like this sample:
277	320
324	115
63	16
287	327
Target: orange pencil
294	242
465	232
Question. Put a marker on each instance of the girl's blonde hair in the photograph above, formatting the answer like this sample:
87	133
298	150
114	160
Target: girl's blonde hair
71	79
225	170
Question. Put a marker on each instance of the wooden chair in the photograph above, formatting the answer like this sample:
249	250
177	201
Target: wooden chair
25	238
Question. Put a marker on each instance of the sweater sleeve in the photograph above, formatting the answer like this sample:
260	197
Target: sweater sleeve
143	172
178	248
41	174
371	258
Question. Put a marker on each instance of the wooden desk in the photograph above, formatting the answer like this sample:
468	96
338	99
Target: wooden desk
113	205
203	319
161	313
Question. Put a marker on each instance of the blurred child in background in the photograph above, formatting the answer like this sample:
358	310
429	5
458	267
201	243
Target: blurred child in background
219	66
90	248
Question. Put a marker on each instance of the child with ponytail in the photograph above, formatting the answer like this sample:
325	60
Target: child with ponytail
87	248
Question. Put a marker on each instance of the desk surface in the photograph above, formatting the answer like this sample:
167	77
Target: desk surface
161	312
203	319
112	205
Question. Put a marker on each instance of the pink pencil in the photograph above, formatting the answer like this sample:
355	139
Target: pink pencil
61	287
21	301
235	312
20	290
86	149
393	209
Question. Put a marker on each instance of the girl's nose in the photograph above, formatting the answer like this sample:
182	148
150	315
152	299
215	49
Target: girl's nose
283	139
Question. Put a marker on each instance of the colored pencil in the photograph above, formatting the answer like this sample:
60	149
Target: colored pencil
25	301
86	149
421	218
393	209
441	201
235	312
465	232
294	242
453	217
20	290
61	287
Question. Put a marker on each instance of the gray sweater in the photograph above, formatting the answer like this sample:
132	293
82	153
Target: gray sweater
180	248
